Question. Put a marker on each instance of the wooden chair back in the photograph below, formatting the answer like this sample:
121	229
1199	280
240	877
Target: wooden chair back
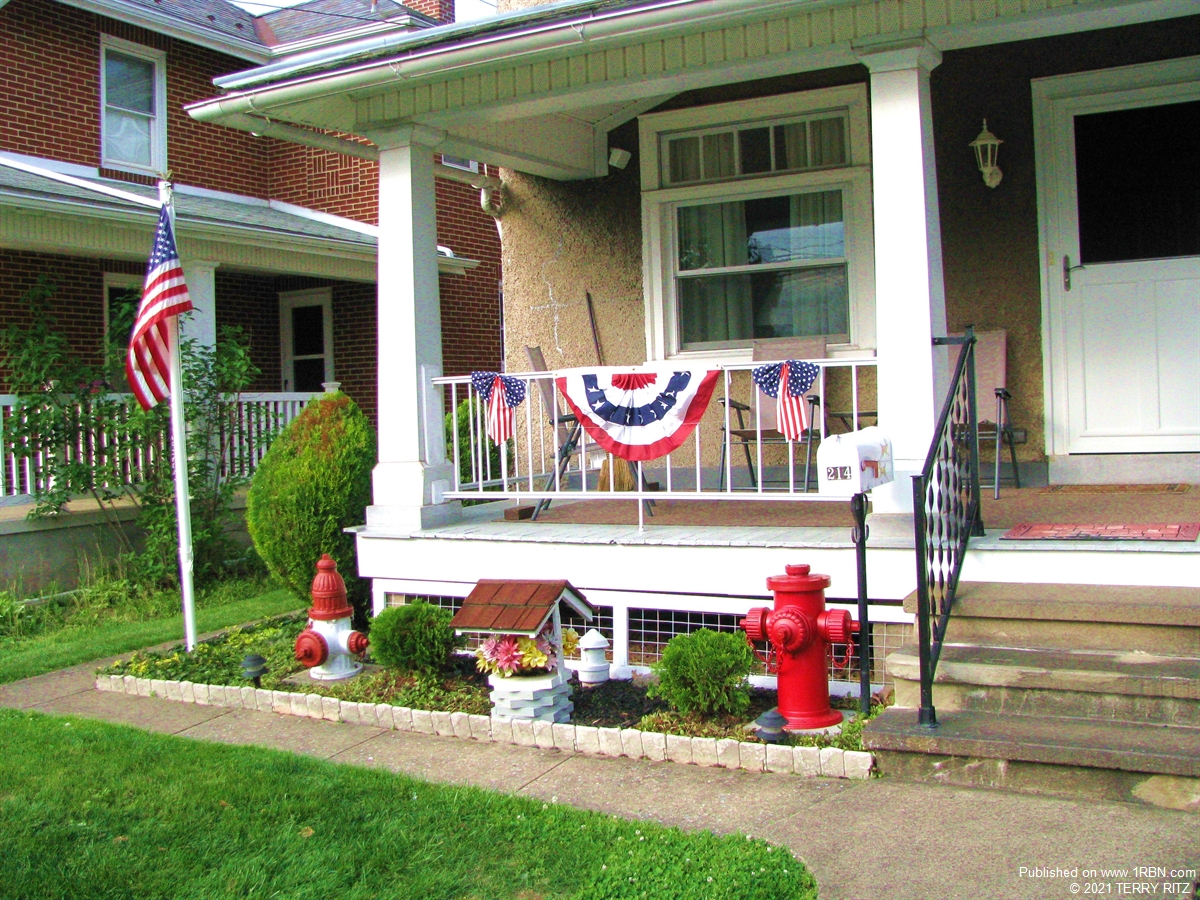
991	370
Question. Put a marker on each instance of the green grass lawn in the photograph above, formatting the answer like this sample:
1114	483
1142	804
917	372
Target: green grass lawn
95	810
83	641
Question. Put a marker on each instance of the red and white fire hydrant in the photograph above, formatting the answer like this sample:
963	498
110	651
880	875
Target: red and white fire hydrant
327	644
800	630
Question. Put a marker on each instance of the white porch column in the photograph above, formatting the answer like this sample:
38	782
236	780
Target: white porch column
201	324
910	297
412	471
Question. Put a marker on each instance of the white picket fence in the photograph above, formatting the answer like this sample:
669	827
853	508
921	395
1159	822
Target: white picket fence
259	417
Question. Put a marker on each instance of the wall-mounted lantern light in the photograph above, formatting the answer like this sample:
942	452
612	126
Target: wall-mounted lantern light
987	149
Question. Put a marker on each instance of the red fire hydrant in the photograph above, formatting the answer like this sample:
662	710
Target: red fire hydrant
326	645
800	630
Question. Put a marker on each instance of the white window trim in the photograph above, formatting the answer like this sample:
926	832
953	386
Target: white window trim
659	204
158	132
460	162
288	301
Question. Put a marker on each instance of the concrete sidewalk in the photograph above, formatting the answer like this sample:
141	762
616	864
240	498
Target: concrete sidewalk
872	839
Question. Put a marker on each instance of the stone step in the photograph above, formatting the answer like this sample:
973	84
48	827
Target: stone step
1157	620
1124	687
1158	765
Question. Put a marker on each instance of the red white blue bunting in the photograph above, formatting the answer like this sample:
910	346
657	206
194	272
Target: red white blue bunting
638	415
787	383
502	395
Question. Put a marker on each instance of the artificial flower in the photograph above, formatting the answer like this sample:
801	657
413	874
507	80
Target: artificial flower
570	641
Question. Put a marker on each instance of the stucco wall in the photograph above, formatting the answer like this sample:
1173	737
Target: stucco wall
561	242
562	239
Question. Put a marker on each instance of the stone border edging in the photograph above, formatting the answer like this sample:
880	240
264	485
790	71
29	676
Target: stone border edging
725	753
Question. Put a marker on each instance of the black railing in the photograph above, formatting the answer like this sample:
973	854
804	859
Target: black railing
946	514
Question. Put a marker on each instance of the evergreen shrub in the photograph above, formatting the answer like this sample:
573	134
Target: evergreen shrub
312	484
705	672
415	637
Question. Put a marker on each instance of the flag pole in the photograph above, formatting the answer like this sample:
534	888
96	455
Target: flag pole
183	509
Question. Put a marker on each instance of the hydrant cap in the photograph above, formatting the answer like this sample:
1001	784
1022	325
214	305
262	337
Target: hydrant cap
798	580
329	593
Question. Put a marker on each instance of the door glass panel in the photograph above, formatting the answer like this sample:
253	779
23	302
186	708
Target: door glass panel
309	374
1138	182
308	330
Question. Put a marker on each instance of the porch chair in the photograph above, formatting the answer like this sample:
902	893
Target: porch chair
569	429
991	380
767	431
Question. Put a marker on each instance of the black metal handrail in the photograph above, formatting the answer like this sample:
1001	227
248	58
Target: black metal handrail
946	514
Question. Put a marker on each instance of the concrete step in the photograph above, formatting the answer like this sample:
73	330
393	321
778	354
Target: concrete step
1157	620
1109	687
1158	765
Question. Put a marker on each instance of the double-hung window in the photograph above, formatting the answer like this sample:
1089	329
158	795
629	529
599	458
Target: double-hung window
133	107
758	224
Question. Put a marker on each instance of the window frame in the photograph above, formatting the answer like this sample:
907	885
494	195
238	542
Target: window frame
158	126
660	202
289	300
118	281
460	162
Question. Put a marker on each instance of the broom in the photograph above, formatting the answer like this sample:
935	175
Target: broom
615	473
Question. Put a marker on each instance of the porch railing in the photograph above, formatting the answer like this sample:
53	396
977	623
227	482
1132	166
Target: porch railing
119	461
530	466
946	514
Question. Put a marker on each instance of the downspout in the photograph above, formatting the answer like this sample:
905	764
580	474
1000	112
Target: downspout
491	189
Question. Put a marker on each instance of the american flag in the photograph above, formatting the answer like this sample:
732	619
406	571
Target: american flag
797	376
148	365
502	394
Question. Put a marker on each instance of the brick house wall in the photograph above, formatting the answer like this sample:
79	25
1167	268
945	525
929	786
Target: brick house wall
470	303
50	90
330	182
251	302
50	85
78	283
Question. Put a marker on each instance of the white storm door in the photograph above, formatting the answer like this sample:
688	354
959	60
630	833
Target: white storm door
1118	194
306	329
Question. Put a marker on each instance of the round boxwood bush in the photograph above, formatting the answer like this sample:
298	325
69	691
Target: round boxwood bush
312	484
705	672
415	637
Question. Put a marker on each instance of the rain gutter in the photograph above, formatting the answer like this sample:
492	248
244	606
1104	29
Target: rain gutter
486	48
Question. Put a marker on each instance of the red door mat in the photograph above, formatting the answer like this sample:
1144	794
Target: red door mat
1030	531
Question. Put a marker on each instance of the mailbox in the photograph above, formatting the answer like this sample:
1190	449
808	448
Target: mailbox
849	464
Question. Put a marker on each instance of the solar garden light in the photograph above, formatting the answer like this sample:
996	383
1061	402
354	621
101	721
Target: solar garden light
254	667
770	726
593	667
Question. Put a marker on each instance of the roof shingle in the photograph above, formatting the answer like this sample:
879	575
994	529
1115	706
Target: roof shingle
509	607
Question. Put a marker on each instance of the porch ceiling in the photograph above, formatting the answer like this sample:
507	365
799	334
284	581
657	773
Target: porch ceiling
543	99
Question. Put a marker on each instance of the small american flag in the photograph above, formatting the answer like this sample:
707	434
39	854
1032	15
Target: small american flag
148	365
788	382
502	394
